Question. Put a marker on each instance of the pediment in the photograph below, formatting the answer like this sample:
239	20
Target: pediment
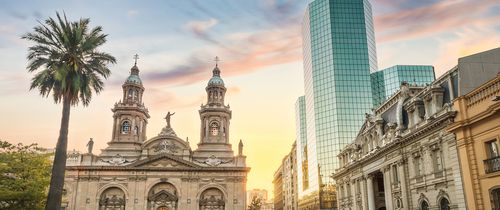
164	161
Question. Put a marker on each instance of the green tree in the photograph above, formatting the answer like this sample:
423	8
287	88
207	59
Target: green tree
256	203
68	65
24	176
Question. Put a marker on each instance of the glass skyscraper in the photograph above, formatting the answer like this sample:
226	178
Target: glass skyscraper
339	55
301	134
387	81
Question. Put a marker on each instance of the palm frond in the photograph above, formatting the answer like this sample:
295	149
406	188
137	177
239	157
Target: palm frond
66	59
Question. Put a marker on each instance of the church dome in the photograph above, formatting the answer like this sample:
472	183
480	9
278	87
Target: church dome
216	80
134	79
134	75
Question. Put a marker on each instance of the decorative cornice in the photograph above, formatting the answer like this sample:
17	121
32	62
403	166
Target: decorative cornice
125	168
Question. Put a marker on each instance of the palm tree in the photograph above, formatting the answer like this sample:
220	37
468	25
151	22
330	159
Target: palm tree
68	65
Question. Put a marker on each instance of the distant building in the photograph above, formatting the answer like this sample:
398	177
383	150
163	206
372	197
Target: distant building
403	156
163	172
477	129
257	193
285	182
339	55
267	205
278	198
301	148
387	81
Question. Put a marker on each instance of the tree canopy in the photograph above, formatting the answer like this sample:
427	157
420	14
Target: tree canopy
256	203
24	176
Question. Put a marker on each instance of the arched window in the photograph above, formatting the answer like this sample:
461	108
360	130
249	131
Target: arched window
214	128
112	199
495	198
424	205
212	199
444	204
125	127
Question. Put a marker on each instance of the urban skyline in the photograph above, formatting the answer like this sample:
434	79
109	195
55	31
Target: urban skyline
181	86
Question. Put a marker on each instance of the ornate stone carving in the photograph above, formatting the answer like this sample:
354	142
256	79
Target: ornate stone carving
166	146
116	160
214	161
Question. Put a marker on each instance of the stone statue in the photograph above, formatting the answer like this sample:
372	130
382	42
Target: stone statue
90	145
169	115
240	148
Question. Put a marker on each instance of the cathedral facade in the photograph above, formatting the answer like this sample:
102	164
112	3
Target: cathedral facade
163	172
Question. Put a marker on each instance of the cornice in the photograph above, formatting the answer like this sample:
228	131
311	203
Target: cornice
490	111
175	169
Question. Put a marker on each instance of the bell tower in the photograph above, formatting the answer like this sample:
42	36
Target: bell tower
130	118
215	119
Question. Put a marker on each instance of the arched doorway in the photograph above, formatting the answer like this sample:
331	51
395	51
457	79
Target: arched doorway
112	198
162	196
212	199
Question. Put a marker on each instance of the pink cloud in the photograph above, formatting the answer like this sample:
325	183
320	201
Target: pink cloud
242	54
432	19
463	44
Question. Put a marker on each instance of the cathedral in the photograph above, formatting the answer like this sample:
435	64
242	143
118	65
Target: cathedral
163	172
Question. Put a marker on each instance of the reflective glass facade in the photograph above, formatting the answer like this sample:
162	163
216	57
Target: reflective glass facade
387	81
301	135
339	54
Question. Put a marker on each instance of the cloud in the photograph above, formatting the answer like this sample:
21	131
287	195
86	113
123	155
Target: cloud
159	98
413	23
201	27
463	43
272	39
248	52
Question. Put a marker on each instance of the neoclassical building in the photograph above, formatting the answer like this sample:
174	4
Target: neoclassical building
405	155
163	172
402	158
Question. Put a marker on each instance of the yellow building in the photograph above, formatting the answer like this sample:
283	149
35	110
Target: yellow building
477	130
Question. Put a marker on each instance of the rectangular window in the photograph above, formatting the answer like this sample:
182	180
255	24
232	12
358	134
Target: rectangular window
418	166
437	160
491	149
395	175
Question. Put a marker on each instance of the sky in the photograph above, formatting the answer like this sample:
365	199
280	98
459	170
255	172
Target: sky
259	44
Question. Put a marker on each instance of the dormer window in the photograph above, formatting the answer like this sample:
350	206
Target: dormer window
214	129
125	127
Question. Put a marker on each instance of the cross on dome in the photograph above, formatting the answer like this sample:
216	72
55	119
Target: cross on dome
216	60
136	57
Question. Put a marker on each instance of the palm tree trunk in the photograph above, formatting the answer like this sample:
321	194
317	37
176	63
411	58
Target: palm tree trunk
59	166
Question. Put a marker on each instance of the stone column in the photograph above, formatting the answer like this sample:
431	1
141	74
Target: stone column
387	187
364	201
353	194
371	196
402	182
